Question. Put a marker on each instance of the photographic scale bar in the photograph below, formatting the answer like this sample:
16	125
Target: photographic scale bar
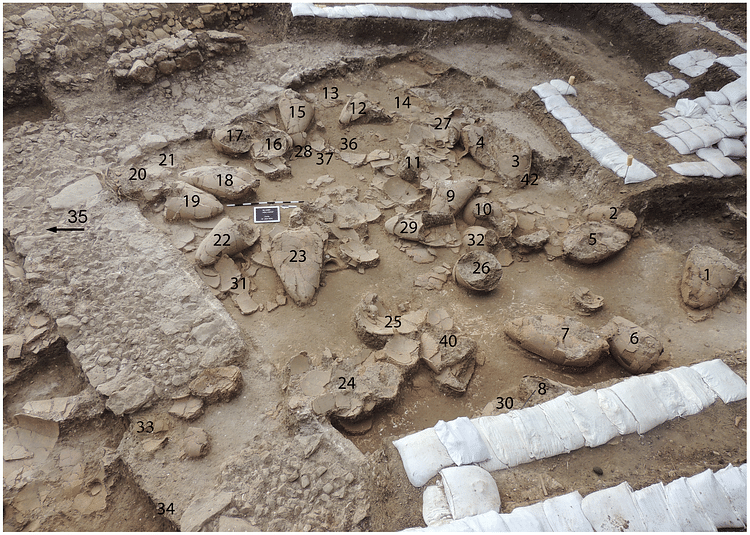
267	211
266	203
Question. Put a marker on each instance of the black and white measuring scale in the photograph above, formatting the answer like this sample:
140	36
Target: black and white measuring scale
267	212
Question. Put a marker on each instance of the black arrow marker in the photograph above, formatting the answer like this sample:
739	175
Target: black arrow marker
55	229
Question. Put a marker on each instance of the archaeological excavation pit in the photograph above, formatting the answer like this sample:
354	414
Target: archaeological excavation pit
296	267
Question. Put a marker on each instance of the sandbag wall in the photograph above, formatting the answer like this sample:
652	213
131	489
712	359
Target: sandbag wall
597	143
568	422
449	14
704	502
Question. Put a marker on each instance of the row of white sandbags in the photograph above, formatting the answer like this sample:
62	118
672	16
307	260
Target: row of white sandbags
736	63
704	502
449	14
727	120
700	133
665	84
714	164
662	18
693	63
712	106
714	120
697	62
597	143
568	422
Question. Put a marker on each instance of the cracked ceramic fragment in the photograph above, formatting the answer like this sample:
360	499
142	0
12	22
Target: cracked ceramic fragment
296	114
223	181
478	270
229	238
297	257
559	339
188	202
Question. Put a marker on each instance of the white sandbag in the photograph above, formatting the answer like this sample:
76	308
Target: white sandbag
564	513
470	491
493	463
613	509
682	61
721	379
695	122
730	61
545	90
704	103
554	101
435	511
462	441
735	91
708	153
657	78
507	445
656	14
617	412
725	166
652	503
743	468
614	158
638	172
714	501
565	112
300	9
676	125
691	140
702	55
457	526
662	131
643	402
730	129
741	116
590	419
694	70
708	134
423	455
600	146
735	487
489	522
564	87
685	507
675	86
669	393
688	108
527	519
678	144
696	169
577	125
695	391
719	112
533	425
717	98
590	139
669	113
563	425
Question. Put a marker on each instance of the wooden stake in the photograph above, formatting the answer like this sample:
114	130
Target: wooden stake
571	80
629	163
